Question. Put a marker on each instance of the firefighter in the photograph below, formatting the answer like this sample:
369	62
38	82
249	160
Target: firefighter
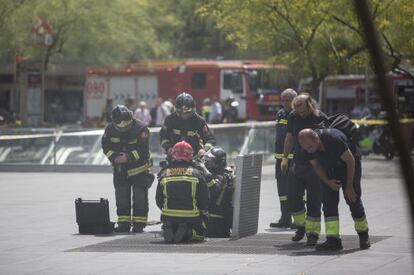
182	196
337	161
186	124
221	189
125	143
281	179
301	175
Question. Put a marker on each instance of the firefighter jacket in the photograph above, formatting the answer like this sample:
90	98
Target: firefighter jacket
281	129
134	142
193	130
221	189
182	193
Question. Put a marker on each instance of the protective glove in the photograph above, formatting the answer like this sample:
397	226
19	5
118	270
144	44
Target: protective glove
284	165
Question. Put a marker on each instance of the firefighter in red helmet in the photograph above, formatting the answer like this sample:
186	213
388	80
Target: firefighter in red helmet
182	196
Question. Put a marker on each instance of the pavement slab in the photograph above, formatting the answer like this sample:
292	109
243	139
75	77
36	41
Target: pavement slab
39	234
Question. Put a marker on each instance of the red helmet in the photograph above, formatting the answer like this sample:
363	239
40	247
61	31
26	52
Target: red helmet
182	151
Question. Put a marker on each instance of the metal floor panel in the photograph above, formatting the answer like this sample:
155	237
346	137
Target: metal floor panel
264	243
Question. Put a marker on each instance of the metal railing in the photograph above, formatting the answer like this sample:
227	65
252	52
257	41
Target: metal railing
83	146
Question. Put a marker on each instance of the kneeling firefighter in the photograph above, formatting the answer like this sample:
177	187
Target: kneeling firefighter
125	143
221	188
182	196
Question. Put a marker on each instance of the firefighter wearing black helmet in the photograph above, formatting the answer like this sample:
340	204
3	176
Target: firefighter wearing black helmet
186	124
182	196
125	143
221	188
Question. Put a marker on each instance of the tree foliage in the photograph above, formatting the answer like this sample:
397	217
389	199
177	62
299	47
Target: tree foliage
314	38
100	32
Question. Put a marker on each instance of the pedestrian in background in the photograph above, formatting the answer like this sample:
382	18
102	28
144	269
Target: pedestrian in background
106	112
205	109
142	113
230	110
216	111
163	111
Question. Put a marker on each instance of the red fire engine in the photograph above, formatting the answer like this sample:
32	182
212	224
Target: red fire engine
255	85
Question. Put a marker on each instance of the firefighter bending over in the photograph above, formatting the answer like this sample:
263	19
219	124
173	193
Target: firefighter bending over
125	143
221	189
337	161
182	196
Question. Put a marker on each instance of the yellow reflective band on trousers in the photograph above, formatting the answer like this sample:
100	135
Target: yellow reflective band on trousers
281	121
140	219
195	236
280	156
299	218
332	226
110	153
283	198
124	219
361	224
180	212
215	216
138	170
313	225
135	154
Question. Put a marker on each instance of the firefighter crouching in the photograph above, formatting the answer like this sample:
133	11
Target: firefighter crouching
125	143
221	188
182	196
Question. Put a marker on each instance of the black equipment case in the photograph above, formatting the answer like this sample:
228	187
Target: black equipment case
92	216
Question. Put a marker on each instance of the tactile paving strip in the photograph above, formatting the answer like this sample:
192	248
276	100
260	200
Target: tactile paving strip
264	243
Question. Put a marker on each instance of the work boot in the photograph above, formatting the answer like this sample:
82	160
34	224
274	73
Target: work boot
312	239
284	222
364	242
181	233
168	232
138	227
123	227
299	234
331	244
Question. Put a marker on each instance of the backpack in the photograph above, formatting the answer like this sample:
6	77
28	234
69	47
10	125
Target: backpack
344	124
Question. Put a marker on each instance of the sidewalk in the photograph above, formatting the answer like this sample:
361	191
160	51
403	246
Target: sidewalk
38	233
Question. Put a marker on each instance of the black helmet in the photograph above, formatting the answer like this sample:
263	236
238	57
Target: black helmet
185	106
122	117
215	159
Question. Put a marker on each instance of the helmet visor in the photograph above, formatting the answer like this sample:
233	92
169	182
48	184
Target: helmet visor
123	125
185	112
209	161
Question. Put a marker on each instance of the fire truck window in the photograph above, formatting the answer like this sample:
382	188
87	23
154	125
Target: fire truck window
198	80
233	81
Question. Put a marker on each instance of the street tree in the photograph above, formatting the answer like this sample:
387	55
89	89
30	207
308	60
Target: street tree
314	38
